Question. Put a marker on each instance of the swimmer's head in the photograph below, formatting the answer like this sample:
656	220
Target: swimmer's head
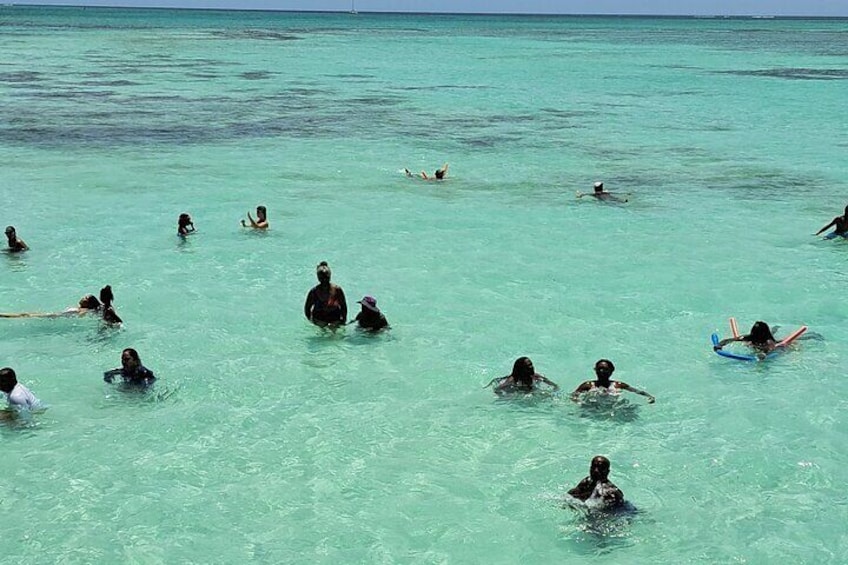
323	272
185	220
760	333
261	211
8	379
523	371
89	302
106	296
600	468
440	174
369	303
130	359
10	232
604	369
599	186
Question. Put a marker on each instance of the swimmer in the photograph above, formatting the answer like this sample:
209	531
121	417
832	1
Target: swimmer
16	244
840	223
370	318
184	225
523	379
439	174
597	488
261	222
325	303
760	338
131	370
110	317
601	194
87	305
603	370
17	395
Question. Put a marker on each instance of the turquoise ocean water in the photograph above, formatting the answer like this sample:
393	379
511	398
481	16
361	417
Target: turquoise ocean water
269	441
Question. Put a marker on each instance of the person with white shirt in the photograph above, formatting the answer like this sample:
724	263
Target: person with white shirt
17	395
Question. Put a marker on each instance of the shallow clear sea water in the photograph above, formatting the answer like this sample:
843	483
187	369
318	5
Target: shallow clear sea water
267	440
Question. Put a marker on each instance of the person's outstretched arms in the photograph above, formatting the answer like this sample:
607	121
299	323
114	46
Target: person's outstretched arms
110	375
625	386
548	382
584	387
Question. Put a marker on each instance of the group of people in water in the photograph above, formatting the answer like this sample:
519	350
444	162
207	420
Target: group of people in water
326	307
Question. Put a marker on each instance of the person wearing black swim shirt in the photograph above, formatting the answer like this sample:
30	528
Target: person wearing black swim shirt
840	223
597	487
131	370
603	371
370	317
325	303
523	380
601	194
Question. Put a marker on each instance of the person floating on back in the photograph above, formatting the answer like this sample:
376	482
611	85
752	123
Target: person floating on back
601	194
760	338
325	303
840	223
370	318
438	175
17	395
16	244
523	380
603	371
184	225
596	490
131	370
261	221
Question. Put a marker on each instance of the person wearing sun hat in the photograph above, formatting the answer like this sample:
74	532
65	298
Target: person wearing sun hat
370	318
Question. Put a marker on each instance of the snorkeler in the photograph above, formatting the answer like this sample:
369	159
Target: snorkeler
261	221
370	318
184	225
597	488
523	379
604	370
131	370
601	194
439	174
325	303
840	225
760	338
16	244
17	395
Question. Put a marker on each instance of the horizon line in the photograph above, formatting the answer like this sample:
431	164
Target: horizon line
386	12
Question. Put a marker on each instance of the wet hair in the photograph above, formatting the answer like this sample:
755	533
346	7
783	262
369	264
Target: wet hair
523	371
10	230
8	379
323	271
184	220
760	333
440	174
261	210
133	353
607	362
90	302
106	296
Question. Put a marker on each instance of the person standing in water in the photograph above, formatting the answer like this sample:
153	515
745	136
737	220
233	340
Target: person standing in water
261	221
184	225
325	303
523	380
597	488
131	370
603	371
17	395
840	223
16	244
601	194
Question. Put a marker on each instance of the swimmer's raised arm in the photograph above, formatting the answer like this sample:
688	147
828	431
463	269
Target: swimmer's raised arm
110	375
